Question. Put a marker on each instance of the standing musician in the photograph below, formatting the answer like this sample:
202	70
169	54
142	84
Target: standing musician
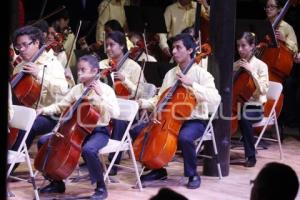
201	83
128	74
108	10
179	16
252	111
284	31
103	98
47	70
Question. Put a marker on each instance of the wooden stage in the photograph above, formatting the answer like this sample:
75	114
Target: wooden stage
235	186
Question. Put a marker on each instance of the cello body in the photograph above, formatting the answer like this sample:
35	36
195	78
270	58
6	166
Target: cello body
243	88
279	61
162	137
59	156
27	89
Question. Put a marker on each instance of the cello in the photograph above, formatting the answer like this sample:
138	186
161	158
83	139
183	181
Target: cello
26	88
157	143
279	59
58	157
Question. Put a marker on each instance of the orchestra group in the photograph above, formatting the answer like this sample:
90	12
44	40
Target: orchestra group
47	76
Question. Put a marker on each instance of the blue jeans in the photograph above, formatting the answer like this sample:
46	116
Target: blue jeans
252	114
189	132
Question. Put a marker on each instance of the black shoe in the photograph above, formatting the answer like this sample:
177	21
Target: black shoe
194	182
113	171
158	174
54	187
100	193
250	162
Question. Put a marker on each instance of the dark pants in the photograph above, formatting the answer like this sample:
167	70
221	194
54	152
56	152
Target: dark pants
252	114
119	128
42	125
91	145
189	132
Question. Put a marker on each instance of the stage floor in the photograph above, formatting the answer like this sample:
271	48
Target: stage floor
236	186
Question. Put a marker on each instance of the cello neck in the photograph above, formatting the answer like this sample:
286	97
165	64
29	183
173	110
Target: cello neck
20	75
170	93
281	14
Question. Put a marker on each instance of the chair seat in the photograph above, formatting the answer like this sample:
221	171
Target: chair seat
112	145
14	155
263	122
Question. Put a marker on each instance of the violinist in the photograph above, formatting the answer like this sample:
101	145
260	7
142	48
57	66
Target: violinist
201	84
47	70
54	41
252	111
103	98
179	16
62	22
128	74
284	32
138	41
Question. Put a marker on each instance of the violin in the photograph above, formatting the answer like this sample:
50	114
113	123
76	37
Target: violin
157	143
57	44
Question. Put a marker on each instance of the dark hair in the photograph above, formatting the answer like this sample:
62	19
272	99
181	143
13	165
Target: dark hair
248	36
114	25
92	60
64	14
42	25
187	40
189	30
119	38
166	193
279	3
275	181
33	33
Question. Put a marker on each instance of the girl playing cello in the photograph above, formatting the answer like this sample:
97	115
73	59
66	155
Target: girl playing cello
252	111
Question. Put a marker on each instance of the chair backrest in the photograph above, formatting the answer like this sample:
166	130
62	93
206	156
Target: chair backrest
23	119
147	90
128	109
274	91
212	110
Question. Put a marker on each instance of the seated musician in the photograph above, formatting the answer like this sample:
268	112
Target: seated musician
47	70
179	16
284	32
252	111
104	100
137	39
128	74
201	83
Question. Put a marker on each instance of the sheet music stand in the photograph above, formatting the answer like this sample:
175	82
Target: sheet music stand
261	28
145	19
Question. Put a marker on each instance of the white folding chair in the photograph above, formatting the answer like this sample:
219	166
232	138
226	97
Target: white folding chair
273	93
209	134
146	91
23	119
128	110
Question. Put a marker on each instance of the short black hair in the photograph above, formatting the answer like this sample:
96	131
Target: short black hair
92	60
119	38
275	181
114	25
42	25
187	40
33	33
